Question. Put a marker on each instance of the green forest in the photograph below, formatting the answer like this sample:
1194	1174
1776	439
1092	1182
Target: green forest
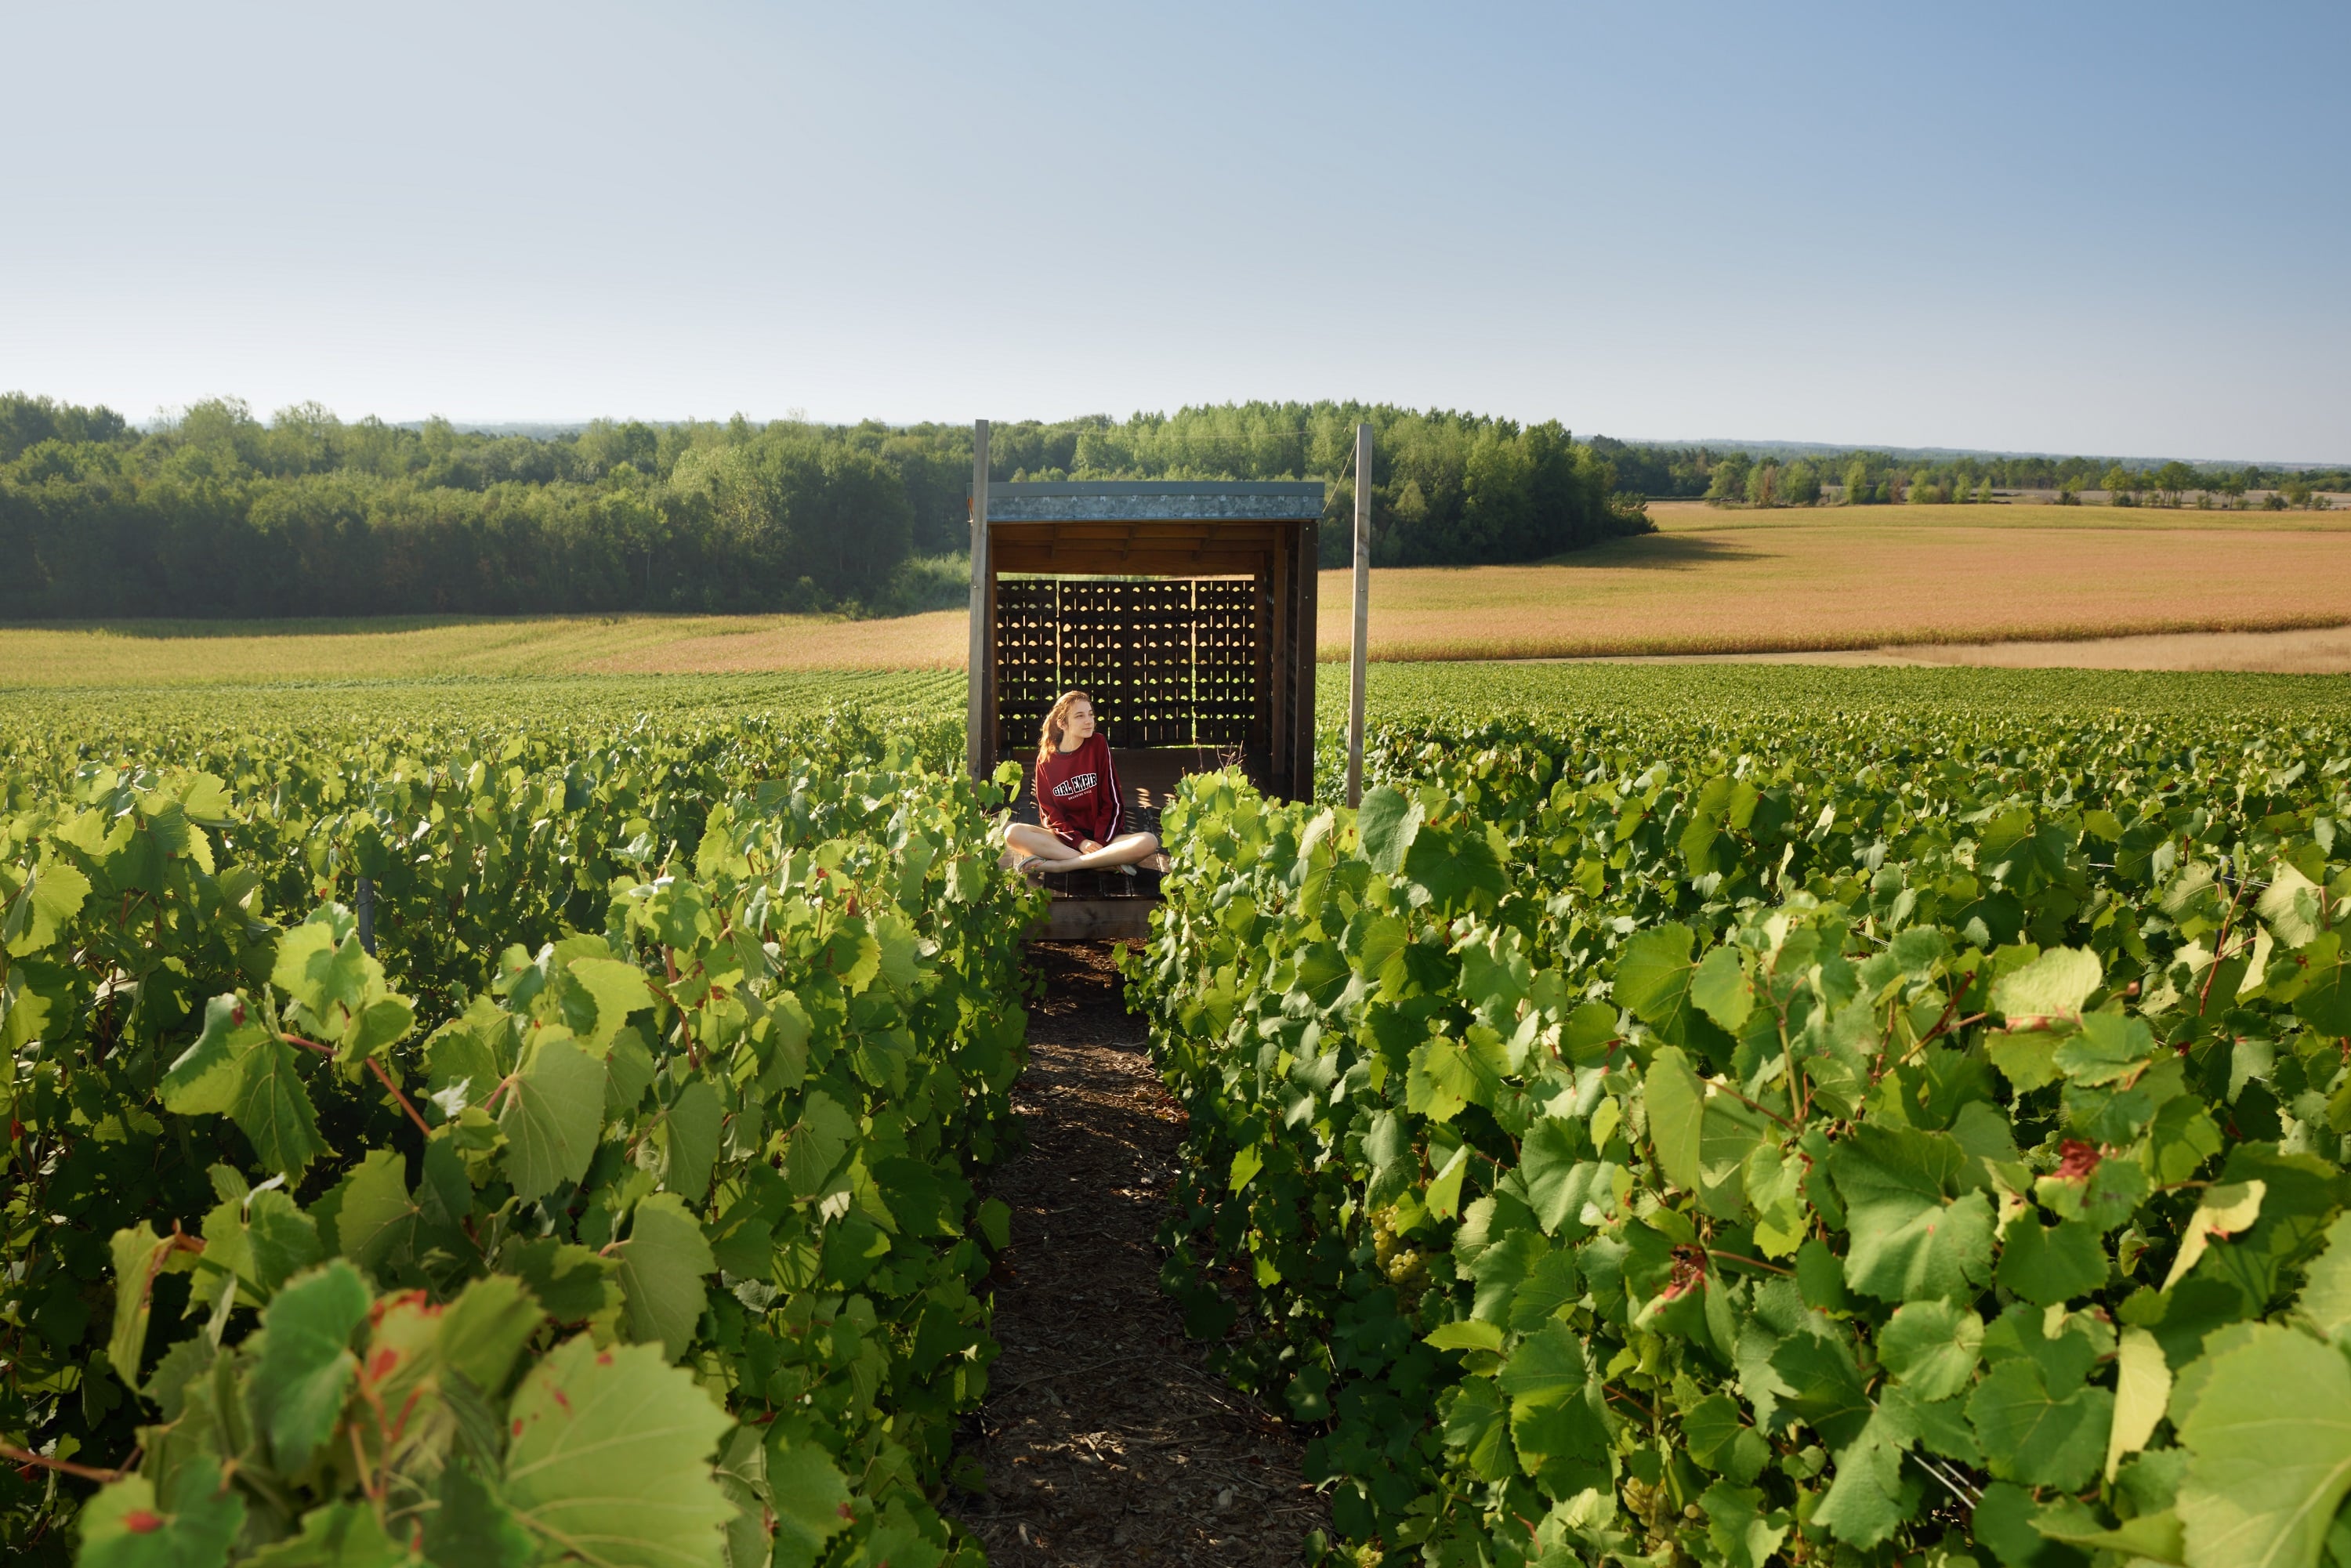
218	513
1860	478
215	512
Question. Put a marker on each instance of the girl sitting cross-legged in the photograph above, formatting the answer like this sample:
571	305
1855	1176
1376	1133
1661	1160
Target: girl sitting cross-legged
1078	802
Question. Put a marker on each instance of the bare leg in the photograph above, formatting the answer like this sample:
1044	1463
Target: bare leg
1023	840
1125	850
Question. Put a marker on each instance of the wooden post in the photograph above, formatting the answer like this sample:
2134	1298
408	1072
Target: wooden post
1362	614
977	743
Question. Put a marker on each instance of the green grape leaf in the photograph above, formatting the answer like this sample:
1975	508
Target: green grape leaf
126	1525
307	1365
571	1282
263	1240
1822	1387
1547	1162
1546	1369
2034	1439
204	1079
137	1255
611	1460
1864	1503
2326	1300
1910	1239
49	901
471	1528
618	990
742	1477
810	1500
2142	1390
823	1135
1931	1347
1652	975
2145	1539
2108	1049
553	1113
340	1535
1385	825
367	1217
2269	1451
694	1122
663	1264
1719	988
2054	985
2325	1002
1454	865
1465	1334
1677	1103
2046	1265
1739	1528
319	972
2225	1211
1476	1428
273	1109
485	1328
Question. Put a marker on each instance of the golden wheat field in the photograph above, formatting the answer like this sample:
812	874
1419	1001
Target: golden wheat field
1712	581
1707	582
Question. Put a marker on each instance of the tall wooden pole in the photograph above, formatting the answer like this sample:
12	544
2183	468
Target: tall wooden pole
1362	614
977	745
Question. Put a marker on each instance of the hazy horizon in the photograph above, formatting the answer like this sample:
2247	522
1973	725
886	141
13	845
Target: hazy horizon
1719	442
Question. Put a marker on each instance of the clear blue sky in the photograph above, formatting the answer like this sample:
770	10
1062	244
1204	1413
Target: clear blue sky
2111	228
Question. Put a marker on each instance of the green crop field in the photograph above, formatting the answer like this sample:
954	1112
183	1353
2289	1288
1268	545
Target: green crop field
1724	1114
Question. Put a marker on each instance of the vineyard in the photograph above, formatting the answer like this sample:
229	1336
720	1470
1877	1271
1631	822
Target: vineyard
619	1204
1718	1117
1806	1136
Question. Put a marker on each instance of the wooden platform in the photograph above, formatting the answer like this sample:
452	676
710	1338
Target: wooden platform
1106	905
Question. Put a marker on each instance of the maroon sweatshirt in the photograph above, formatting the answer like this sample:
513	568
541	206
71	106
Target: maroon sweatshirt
1078	794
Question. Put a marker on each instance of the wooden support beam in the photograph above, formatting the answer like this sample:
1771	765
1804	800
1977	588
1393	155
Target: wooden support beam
1301	757
979	746
1357	648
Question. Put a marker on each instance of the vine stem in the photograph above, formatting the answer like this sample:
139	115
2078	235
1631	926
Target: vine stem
2220	948
83	1472
382	1076
1750	1263
1752	1105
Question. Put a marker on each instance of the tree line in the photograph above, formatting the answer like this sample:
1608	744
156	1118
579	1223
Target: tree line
215	512
1865	478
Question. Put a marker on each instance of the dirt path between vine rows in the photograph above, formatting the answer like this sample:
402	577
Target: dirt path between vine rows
1104	1439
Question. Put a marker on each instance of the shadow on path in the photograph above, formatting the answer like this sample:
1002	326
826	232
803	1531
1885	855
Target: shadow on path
1103	1440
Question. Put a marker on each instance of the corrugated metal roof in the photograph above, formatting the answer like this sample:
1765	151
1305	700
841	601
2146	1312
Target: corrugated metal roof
1178	500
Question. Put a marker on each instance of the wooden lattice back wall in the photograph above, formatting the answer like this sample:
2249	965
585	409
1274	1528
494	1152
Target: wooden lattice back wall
1168	661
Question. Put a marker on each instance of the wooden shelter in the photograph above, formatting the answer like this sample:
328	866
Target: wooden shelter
1184	609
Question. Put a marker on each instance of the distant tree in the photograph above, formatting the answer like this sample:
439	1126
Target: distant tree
1856	482
1763	483
1983	491
1800	484
1729	479
2118	485
2173	480
1923	491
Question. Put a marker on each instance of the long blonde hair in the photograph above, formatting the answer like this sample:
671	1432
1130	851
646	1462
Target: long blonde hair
1048	734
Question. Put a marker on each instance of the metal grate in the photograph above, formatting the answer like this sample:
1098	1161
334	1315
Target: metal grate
1168	661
